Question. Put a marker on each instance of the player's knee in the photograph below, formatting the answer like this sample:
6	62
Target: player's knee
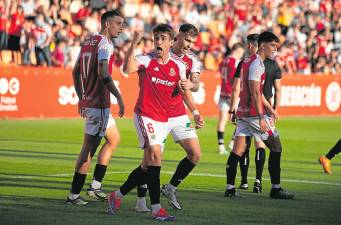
194	157
274	144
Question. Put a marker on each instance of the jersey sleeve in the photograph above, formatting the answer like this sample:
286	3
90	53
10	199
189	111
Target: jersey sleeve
143	60
255	70
182	70
196	65
105	50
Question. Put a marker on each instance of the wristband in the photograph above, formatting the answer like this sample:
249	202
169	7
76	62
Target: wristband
232	112
195	112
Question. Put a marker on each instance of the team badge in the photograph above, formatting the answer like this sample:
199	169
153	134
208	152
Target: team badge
172	72
186	64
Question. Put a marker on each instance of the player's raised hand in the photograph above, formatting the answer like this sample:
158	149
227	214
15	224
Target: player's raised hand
137	36
121	106
199	121
185	84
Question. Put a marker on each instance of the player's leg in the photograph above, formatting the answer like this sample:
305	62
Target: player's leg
325	160
112	138
185	166
244	164
259	162
96	122
272	141
222	120
232	163
89	147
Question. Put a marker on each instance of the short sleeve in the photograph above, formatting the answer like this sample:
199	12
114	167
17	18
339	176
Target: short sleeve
196	65
105	50
143	60
182	69
256	70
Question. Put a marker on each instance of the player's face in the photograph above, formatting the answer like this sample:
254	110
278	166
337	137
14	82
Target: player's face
162	43
115	26
252	48
185	42
270	49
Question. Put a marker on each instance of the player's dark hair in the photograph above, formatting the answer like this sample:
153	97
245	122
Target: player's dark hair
164	28
189	29
253	39
236	46
108	15
266	37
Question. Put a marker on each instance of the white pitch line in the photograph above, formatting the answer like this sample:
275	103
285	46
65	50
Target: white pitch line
192	174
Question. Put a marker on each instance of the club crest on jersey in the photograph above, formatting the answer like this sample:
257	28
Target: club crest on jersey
172	72
156	69
186	64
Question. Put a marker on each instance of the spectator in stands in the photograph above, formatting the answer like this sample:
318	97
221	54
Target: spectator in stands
14	32
57	56
43	40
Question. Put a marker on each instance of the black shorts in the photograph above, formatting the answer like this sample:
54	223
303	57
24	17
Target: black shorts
3	40
13	43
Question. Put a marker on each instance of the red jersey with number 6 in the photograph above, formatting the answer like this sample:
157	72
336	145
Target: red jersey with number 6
94	49
252	70
158	84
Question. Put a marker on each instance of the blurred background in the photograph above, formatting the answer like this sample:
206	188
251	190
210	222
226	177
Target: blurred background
49	33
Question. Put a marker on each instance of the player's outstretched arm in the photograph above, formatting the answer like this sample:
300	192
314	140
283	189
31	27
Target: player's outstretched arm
189	101
109	83
130	65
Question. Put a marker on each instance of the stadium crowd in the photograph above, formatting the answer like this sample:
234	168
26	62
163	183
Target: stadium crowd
49	33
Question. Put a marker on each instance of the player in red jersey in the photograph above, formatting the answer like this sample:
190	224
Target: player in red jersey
252	120
227	70
178	122
159	73
112	139
93	85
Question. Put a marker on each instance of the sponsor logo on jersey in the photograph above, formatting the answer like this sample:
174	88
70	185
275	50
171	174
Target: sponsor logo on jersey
162	82
156	69
172	72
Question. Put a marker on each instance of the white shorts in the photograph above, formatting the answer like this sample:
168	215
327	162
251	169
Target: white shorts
111	122
150	132
249	126
181	128
96	121
224	103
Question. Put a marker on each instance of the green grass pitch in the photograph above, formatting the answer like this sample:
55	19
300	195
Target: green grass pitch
37	160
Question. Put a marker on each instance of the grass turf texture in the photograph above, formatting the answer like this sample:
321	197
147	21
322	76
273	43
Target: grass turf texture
37	160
